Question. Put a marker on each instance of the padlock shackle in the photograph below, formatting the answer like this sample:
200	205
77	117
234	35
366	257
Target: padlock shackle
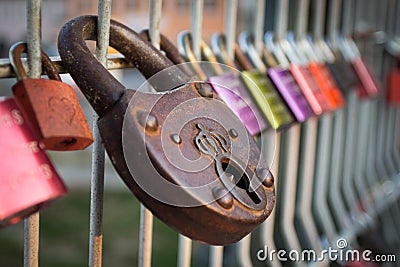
15	53
185	43
219	46
171	51
97	84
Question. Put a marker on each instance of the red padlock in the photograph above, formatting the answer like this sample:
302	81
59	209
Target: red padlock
393	86
51	106
28	180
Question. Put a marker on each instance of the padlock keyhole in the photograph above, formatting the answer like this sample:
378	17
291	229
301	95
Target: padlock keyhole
240	179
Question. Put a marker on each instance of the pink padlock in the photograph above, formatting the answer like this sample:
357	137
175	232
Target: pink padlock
28	180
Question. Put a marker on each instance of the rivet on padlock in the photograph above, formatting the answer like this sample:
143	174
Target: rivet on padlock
183	196
51	106
28	180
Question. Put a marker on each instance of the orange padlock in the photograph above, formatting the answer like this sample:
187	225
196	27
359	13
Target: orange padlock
50	106
327	84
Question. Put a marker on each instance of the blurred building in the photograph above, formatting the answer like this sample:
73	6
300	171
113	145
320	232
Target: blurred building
134	13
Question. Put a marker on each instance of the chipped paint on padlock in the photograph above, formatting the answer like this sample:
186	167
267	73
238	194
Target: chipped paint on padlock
28	179
51	106
212	222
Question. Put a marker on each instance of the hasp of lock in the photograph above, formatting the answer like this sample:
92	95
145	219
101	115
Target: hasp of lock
28	180
184	154
51	106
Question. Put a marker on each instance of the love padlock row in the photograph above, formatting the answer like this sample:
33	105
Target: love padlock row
187	152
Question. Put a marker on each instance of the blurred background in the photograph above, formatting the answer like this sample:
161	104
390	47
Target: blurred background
65	224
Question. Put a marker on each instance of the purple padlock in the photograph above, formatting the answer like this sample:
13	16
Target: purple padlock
230	89
291	92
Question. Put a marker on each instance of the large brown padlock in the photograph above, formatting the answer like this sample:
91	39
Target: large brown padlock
51	106
28	181
181	151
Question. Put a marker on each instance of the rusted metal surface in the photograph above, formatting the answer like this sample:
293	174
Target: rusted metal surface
51	107
199	217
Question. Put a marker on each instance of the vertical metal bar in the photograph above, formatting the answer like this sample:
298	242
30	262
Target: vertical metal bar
281	22
333	20
306	181
185	251
318	28
31	224
196	26
321	176
230	26
146	217
302	18
289	185
271	150
216	256
244	253
145	237
154	25
98	156
334	195
258	30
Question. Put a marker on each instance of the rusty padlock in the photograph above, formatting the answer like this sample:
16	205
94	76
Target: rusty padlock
28	181
182	152
51	106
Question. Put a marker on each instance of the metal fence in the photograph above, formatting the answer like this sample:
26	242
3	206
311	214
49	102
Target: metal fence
323	166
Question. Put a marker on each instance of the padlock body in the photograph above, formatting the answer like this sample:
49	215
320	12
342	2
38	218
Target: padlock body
235	95
369	86
28	179
267	98
54	113
344	75
393	88
311	90
325	81
291	93
180	163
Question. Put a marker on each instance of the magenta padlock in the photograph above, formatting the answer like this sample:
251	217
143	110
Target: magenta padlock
234	94
286	83
291	93
28	180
